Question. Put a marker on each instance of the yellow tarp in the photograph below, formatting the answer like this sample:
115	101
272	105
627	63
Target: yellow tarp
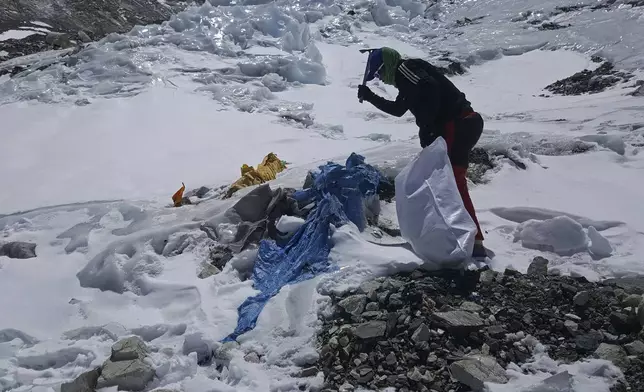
266	171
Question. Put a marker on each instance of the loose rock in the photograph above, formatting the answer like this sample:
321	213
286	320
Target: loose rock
354	304
571	326
588	342
613	353
18	250
421	334
471	307
370	329
538	267
86	382
581	298
635	348
127	349
632	301
587	81
309	372
418	332
459	319
84	37
474	372
131	375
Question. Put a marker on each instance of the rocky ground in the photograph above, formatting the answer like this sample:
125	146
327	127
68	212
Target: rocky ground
72	22
449	331
590	82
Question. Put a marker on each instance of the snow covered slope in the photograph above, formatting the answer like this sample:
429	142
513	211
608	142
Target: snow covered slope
94	143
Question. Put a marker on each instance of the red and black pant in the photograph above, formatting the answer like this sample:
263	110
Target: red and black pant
461	136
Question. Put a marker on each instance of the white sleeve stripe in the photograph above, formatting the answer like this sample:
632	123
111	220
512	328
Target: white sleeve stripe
408	74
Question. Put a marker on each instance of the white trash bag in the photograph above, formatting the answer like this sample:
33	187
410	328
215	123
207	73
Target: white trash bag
430	210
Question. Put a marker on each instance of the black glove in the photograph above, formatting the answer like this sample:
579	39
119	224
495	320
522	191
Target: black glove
364	93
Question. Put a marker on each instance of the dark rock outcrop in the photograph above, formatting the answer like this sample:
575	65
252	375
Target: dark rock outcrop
589	82
18	250
73	22
446	330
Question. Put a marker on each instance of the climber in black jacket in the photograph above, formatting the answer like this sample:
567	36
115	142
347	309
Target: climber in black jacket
440	109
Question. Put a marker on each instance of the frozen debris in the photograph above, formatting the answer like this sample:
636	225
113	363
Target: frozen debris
18	250
204	347
538	267
613	353
208	270
476	371
289	224
251	357
561	235
219	256
599	245
86	382
459	319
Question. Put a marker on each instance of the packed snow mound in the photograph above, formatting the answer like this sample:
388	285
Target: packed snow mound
523	214
599	246
560	235
612	142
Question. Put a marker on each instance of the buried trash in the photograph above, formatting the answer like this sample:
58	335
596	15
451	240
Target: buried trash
266	171
177	198
339	194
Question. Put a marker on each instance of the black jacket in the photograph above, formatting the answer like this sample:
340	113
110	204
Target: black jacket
428	94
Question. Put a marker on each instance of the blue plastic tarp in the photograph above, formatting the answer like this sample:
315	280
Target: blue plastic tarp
338	192
350	184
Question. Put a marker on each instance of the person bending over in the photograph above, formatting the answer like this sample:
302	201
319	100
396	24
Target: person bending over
440	109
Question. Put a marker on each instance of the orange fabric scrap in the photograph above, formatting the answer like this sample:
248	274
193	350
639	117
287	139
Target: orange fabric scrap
178	195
